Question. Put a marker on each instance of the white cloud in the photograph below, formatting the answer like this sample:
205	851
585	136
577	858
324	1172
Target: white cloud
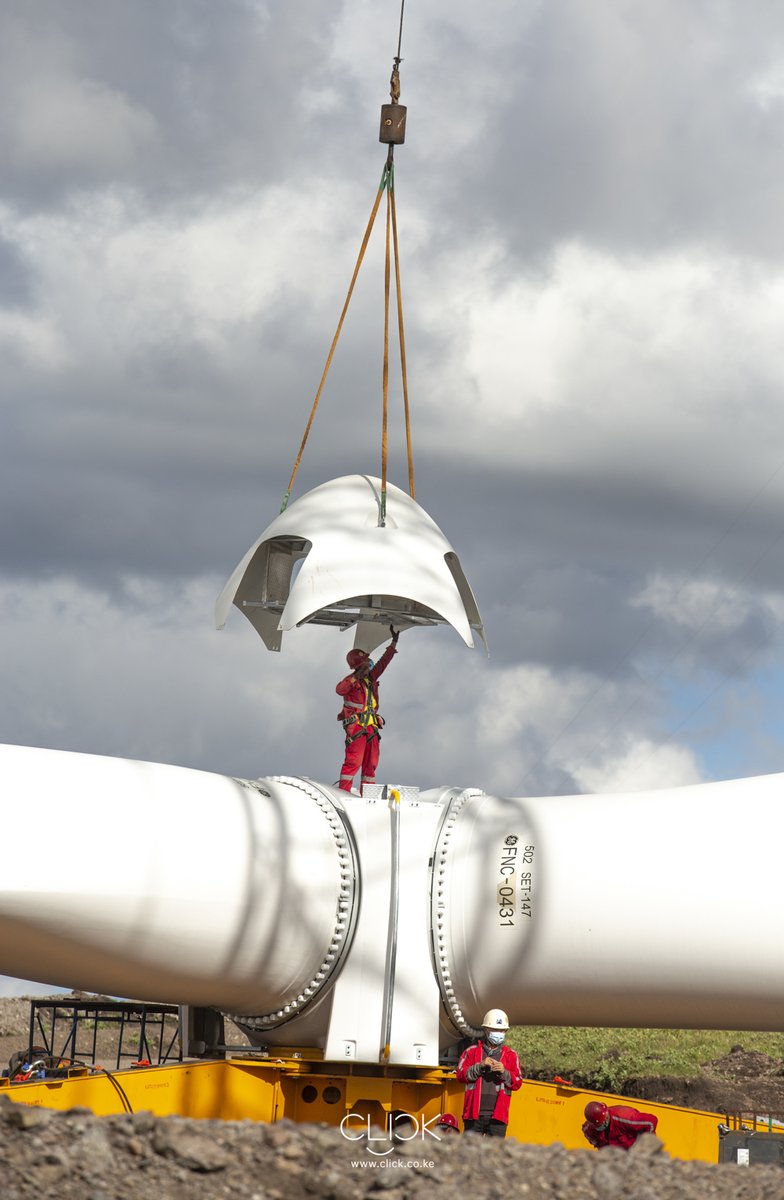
602	361
114	278
640	766
32	340
125	296
767	87
692	604
146	676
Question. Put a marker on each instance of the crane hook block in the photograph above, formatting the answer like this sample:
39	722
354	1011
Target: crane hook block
393	124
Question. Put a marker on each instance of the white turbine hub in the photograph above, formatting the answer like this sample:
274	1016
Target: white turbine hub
376	928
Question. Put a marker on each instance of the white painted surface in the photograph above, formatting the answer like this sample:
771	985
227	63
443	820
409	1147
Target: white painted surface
358	995
161	883
415	1012
659	909
272	898
352	571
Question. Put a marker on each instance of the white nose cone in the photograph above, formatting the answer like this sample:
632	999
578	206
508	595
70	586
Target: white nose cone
353	570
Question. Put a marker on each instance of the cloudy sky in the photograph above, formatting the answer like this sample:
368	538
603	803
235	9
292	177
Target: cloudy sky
591	215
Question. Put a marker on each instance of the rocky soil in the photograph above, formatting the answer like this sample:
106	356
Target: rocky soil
76	1156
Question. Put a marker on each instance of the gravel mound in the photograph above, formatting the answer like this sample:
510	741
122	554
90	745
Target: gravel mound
77	1156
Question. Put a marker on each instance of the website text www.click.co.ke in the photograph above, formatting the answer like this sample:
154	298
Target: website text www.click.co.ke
377	1164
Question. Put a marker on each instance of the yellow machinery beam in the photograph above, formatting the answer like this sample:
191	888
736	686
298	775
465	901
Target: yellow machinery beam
269	1089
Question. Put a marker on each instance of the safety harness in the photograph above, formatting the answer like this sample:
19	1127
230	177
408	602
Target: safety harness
366	715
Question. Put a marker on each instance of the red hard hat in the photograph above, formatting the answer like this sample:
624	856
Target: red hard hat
596	1113
448	1119
355	657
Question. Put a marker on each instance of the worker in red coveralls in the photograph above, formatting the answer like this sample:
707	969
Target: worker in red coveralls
491	1072
620	1125
360	716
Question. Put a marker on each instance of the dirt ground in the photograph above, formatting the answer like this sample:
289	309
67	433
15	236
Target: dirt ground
741	1081
76	1156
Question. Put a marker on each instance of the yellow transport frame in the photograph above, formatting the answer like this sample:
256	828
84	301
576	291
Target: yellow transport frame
268	1089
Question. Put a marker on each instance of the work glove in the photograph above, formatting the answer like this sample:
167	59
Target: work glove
395	634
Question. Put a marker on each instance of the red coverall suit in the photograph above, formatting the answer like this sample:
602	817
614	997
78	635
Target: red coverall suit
479	1080
361	719
624	1125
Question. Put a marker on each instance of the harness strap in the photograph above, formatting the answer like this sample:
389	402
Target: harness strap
366	714
369	731
363	719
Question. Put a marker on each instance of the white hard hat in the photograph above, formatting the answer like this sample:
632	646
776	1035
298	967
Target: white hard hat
495	1018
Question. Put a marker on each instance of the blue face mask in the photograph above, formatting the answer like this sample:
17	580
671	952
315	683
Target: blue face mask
370	664
496	1037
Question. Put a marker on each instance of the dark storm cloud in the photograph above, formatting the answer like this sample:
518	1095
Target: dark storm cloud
17	280
188	98
153	467
178	320
556	563
634	127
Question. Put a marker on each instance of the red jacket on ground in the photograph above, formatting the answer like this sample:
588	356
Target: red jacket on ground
505	1085
623	1128
352	690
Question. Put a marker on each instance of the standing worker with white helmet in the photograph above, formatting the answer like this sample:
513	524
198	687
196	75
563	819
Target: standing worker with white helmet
491	1072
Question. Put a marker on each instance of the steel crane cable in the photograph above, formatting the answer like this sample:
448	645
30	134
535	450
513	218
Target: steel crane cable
402	342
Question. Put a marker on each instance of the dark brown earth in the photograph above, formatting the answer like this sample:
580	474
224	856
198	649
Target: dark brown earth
76	1156
742	1081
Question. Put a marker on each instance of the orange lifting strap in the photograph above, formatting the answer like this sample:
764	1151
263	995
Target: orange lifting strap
393	132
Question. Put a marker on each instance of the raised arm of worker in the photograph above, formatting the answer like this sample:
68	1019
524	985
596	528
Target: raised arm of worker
386	658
